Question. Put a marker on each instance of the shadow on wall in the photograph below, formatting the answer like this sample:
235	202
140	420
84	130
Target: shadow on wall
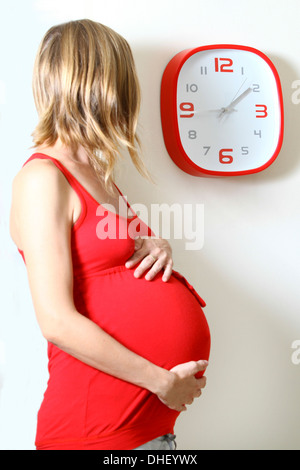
288	159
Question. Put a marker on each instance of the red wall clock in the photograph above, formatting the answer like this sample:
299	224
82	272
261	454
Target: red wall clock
222	110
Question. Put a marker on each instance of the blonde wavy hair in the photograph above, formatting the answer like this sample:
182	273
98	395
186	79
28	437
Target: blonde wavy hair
87	93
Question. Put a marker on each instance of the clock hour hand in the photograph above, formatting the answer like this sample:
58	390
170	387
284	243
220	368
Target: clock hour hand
236	101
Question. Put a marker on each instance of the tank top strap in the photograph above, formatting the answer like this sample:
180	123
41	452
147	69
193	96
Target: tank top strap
125	199
71	179
147	231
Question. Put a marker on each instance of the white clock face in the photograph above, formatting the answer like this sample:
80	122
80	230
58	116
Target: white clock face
228	110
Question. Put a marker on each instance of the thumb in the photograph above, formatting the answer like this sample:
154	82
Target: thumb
191	367
200	365
138	243
137	255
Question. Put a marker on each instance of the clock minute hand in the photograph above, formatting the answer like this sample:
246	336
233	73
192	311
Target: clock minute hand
236	101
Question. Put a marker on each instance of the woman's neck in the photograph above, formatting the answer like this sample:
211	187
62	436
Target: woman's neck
63	152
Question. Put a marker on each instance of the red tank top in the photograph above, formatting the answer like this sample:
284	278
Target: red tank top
84	408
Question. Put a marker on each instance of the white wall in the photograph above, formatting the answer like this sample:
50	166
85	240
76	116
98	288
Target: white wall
248	270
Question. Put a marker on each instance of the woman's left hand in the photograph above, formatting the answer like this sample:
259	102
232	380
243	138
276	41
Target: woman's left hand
155	254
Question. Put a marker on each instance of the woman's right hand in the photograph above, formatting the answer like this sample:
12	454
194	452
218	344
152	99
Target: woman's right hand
182	386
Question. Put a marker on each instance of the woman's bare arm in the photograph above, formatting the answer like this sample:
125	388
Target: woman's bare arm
43	211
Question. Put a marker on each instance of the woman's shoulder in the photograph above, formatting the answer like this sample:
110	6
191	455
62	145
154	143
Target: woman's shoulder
38	189
38	175
35	167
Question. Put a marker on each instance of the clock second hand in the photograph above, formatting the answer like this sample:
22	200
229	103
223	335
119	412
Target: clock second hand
239	89
223	110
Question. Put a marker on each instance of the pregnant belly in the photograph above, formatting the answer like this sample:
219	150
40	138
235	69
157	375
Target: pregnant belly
161	321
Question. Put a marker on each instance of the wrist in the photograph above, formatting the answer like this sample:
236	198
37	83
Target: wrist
159	380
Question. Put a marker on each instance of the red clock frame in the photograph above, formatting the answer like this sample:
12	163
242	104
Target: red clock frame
168	105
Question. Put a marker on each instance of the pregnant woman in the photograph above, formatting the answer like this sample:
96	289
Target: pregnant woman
127	351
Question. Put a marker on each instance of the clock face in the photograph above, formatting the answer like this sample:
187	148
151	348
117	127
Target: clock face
227	110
